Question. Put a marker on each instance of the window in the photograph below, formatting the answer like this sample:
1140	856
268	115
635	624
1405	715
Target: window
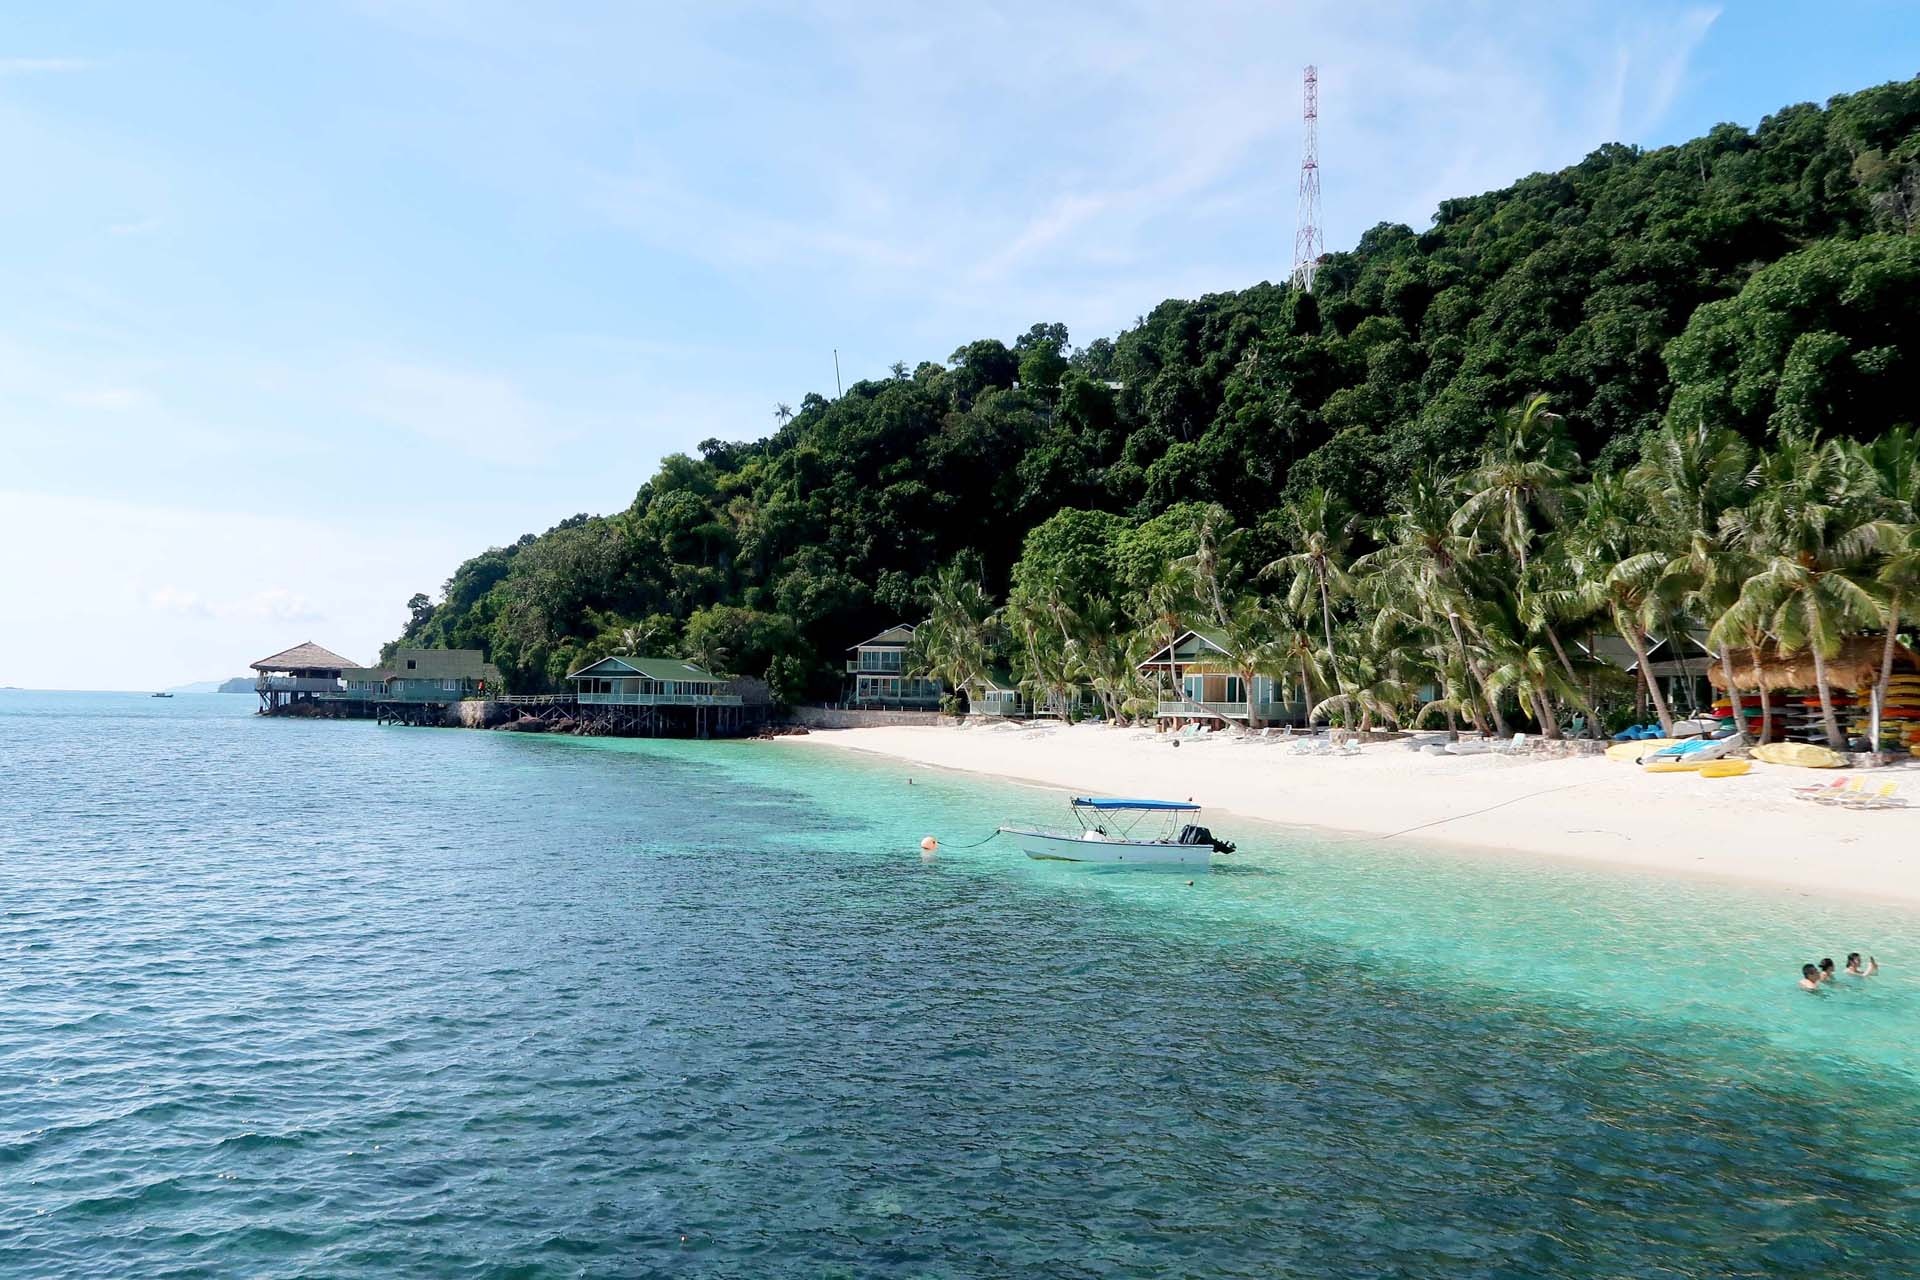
409	664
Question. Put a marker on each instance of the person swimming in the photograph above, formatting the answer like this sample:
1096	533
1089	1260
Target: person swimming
1853	965
1826	969
1810	978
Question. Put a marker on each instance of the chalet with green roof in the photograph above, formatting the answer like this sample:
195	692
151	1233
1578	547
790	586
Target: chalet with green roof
1197	681
649	682
426	675
879	673
995	694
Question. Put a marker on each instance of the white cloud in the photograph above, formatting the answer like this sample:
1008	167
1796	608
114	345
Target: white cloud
185	604
44	66
478	414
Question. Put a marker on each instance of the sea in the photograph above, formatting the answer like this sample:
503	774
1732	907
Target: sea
297	998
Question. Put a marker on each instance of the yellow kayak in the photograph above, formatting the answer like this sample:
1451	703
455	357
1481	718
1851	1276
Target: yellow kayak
1804	754
1680	764
1725	768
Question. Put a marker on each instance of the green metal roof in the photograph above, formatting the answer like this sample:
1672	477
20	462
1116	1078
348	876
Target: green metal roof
1184	648
650	668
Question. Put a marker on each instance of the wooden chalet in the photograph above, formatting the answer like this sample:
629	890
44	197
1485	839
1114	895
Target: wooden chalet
1197	682
655	696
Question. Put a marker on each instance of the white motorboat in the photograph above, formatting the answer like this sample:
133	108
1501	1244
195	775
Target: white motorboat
1123	832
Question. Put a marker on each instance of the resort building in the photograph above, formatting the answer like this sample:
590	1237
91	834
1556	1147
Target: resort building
994	694
426	675
654	697
305	673
1197	681
879	667
649	682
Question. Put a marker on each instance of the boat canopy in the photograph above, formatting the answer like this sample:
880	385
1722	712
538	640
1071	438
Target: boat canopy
1180	806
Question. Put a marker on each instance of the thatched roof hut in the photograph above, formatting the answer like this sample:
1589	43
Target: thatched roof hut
306	657
1856	666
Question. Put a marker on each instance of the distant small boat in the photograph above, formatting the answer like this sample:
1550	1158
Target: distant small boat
1107	830
160	695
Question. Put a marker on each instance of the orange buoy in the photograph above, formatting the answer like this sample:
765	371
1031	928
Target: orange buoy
929	843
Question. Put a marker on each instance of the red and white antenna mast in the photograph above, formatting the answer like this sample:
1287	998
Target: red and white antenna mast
1307	246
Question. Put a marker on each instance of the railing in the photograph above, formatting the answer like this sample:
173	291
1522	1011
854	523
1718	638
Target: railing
295	684
534	699
659	699
859	667
1224	710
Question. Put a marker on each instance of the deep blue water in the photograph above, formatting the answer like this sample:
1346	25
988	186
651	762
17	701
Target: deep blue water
290	998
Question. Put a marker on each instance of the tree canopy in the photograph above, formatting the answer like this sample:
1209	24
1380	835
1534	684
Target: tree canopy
1762	280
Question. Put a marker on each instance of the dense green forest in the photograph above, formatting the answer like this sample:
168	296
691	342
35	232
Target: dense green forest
1750	290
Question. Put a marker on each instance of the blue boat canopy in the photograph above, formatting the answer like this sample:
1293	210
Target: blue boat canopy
1088	802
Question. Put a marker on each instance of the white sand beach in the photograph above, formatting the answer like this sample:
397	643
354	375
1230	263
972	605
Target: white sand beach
1750	828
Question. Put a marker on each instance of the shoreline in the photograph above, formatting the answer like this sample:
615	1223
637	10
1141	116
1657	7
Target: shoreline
1749	831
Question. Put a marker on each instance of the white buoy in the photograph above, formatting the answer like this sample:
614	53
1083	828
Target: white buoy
929	844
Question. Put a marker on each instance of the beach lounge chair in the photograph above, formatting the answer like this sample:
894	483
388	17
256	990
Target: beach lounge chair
1883	798
1815	788
1838	795
1514	746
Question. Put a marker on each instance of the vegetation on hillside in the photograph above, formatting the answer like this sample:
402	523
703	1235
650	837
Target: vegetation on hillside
1349	477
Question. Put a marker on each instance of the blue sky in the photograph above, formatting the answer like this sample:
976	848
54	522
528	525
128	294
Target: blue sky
302	304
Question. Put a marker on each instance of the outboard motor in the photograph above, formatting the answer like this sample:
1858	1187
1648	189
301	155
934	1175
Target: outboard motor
1191	834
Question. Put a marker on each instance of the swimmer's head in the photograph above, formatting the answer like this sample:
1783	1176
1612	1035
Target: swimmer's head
1809	970
1826	966
1853	959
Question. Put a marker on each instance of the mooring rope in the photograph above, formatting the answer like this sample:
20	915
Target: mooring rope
1455	817
976	844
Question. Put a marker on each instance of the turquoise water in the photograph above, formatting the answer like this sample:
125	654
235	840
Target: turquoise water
288	998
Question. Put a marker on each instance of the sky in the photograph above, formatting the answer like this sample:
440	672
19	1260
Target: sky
301	305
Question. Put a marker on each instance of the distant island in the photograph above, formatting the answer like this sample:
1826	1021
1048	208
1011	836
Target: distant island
239	684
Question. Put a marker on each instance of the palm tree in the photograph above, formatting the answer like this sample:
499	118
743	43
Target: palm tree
1214	539
1894	460
1689	478
955	643
1248	639
1542	600
1613	571
1418	568
1171	599
1813	532
1524	472
783	413
1320	529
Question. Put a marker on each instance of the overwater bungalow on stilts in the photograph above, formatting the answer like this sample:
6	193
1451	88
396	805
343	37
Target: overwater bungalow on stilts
655	697
622	696
305	674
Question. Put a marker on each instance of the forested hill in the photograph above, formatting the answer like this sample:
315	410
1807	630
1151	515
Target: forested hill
1764	278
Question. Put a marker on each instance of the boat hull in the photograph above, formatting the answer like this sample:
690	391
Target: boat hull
1045	846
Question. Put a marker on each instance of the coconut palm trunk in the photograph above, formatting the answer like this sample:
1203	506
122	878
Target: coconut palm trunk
1733	694
1827	716
1573	682
1766	702
1886	655
1466	662
1633	637
1543	708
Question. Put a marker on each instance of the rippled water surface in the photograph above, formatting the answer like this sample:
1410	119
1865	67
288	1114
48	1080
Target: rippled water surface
286	998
